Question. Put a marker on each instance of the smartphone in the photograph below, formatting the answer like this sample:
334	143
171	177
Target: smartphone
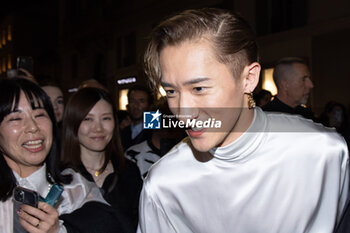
26	196
54	195
25	62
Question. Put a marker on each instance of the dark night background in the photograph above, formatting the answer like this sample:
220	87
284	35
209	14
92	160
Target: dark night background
75	40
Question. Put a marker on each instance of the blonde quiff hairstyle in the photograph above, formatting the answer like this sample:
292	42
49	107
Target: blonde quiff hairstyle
230	35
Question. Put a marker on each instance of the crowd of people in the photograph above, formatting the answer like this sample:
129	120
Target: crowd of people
273	166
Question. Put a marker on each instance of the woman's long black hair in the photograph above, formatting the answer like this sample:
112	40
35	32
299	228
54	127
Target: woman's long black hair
10	91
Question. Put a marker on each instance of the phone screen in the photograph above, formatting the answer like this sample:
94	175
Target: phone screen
26	63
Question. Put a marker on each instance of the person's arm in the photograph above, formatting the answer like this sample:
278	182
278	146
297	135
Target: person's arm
84	210
92	217
344	188
152	218
343	217
27	75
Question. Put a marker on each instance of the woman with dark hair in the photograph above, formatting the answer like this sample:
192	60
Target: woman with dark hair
91	145
29	158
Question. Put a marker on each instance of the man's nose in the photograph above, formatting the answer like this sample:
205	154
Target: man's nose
187	108
136	104
310	83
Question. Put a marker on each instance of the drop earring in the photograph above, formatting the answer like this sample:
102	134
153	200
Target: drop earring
251	101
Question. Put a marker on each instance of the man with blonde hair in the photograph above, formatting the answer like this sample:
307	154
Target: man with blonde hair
251	172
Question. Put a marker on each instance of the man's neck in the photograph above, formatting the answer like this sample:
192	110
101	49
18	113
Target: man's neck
284	99
244	121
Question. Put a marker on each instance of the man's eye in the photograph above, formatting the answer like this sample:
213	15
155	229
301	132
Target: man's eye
107	118
199	89
306	77
87	119
170	92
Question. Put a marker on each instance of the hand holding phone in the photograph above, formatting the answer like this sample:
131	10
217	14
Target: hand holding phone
30	197
54	195
26	196
44	217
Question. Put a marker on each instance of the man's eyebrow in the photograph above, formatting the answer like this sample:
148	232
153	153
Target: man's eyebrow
164	84
196	80
306	76
190	82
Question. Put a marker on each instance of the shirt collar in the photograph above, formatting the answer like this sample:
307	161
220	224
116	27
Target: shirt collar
136	129
247	143
36	181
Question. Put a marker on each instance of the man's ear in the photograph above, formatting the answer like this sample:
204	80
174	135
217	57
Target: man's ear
251	77
283	85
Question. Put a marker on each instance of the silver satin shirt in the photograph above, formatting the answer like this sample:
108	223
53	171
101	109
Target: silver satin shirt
284	174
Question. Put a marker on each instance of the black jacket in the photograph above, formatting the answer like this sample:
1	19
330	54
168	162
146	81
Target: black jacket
93	217
277	105
125	136
122	191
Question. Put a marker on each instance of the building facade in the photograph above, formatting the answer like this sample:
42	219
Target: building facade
76	40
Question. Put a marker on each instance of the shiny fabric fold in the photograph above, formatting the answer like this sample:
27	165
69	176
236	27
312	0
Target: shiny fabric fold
285	174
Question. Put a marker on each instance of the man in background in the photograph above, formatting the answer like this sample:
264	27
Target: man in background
292	78
146	153
140	100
